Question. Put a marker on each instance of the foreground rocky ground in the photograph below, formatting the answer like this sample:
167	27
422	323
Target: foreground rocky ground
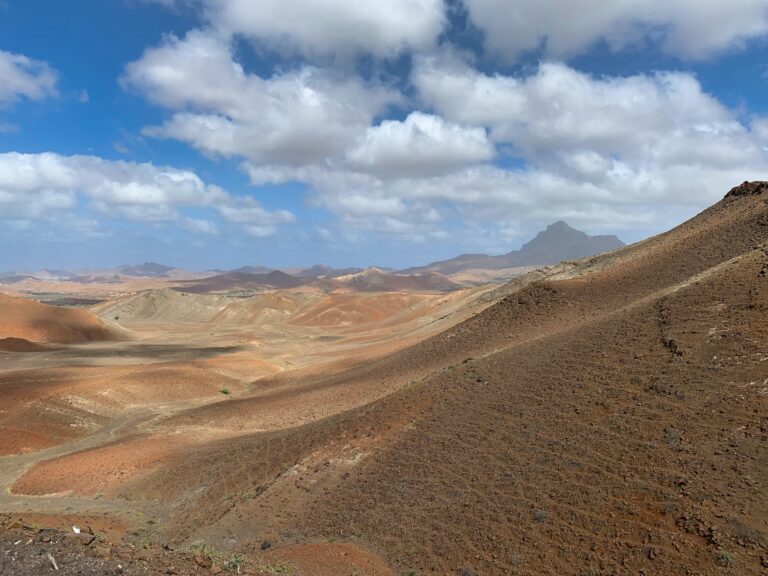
29	550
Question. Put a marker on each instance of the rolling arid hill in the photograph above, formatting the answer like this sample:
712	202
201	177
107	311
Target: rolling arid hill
603	416
369	280
242	281
32	321
378	280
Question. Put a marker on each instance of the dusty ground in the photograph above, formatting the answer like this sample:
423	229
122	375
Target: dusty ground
27	549
601	417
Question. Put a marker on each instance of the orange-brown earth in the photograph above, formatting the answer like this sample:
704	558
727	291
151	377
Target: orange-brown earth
19	345
605	416
27	320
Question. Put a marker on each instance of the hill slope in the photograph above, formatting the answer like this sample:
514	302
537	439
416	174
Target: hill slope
377	280
237	281
37	322
370	280
611	420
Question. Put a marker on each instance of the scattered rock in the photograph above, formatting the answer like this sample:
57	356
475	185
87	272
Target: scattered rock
52	560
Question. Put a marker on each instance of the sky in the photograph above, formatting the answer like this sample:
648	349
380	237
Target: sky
220	133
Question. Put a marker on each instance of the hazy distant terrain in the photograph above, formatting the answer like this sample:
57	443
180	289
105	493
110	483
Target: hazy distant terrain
557	243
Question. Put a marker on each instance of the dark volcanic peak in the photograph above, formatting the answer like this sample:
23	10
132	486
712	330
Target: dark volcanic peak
557	243
562	242
748	189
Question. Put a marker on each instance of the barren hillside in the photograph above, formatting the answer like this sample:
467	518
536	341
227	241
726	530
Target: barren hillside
36	322
606	416
615	412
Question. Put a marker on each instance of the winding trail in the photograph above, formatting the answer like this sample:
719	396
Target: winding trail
14	467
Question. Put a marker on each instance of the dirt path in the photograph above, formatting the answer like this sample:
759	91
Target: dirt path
14	467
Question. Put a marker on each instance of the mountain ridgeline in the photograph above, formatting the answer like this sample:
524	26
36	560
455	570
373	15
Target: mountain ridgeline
557	243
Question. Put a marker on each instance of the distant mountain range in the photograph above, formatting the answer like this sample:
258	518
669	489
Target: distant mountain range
369	280
146	270
557	243
316	271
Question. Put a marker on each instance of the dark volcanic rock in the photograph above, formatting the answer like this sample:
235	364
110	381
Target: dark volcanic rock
748	189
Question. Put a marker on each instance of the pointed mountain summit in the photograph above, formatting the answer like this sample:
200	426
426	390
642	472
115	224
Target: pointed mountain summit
557	243
562	242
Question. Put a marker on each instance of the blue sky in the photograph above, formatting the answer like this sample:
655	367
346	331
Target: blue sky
219	133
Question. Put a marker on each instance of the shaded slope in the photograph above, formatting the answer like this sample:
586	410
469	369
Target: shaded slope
633	442
19	345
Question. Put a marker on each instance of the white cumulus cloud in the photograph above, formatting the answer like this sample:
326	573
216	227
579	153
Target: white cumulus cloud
687	28
293	118
333	27
24	77
50	185
484	150
584	126
636	153
421	145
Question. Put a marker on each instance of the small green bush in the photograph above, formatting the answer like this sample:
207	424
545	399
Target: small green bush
724	558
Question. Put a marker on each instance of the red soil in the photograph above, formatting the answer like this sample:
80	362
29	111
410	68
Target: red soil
100	470
46	407
328	560
19	345
37	322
